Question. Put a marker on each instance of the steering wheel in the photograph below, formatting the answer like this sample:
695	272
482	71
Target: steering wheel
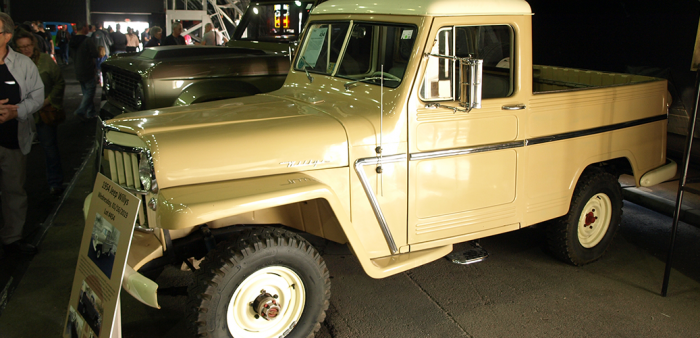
387	76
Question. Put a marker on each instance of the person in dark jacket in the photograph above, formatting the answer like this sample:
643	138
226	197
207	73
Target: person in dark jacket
156	33
63	37
118	41
39	27
176	38
84	53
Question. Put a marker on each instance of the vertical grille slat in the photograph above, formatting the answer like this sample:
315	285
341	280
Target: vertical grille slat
120	169
112	165
128	171
135	170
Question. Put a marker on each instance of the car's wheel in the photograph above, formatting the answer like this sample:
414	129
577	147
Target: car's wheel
98	250
585	233
266	283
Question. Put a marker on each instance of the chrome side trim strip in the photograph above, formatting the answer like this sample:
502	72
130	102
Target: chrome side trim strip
465	151
592	131
533	141
373	199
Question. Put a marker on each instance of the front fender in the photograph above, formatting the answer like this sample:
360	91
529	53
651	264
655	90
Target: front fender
189	206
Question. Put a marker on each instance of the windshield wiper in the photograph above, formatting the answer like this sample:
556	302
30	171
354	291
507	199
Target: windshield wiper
303	60
386	76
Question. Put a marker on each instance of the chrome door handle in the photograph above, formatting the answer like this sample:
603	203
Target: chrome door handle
514	107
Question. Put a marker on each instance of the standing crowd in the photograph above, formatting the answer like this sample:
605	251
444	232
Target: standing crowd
31	108
31	100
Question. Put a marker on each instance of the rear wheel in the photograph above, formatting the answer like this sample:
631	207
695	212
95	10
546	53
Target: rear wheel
585	233
267	283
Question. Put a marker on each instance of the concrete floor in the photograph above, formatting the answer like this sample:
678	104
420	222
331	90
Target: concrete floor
518	291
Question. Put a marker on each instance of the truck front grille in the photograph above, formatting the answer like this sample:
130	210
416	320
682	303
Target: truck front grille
123	168
123	87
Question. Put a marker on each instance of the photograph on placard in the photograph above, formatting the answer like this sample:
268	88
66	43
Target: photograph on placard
103	244
90	307
74	326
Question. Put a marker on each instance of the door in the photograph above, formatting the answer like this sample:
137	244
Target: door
463	166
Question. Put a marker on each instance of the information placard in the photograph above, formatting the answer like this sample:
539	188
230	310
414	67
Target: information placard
101	261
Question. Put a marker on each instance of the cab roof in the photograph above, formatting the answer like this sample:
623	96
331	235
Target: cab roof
425	7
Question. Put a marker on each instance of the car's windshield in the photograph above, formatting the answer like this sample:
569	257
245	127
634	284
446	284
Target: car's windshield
280	21
370	52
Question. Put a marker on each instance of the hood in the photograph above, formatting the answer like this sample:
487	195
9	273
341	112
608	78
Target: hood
187	62
237	138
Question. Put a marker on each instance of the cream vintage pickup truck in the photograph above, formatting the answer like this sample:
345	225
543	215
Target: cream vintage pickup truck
402	129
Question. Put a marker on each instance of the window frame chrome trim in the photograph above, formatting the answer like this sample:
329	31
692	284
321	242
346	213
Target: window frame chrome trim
359	165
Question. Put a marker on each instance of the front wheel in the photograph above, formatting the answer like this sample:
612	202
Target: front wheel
267	283
587	230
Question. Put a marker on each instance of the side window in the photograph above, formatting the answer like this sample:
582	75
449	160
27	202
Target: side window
493	44
438	82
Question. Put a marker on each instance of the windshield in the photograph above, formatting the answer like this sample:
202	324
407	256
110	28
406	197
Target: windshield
281	21
366	51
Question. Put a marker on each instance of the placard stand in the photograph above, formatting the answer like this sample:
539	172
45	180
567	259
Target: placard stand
682	186
694	66
117	328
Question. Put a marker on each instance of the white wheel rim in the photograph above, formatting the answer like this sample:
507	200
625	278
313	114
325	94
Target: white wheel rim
275	280
594	221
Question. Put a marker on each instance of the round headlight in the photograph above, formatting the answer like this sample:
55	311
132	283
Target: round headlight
107	77
146	173
138	96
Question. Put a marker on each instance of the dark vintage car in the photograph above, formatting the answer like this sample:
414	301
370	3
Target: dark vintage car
256	60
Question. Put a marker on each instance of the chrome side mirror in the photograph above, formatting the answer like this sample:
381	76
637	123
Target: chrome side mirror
471	84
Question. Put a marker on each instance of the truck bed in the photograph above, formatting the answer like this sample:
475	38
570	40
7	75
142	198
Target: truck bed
547	79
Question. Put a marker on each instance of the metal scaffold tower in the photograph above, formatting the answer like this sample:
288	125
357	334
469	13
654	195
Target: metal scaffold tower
223	14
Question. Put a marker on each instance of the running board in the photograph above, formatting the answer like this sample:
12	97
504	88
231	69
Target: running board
475	254
391	265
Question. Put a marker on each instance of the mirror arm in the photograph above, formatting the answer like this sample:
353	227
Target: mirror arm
454	109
